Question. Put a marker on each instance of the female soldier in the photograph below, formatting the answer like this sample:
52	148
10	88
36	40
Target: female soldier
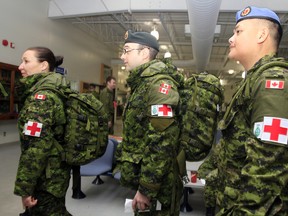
42	178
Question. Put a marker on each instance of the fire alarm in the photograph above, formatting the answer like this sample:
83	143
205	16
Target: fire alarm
5	42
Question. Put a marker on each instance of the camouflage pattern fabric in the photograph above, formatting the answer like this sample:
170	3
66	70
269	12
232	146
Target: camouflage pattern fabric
201	99
252	172
208	171
107	98
95	94
86	131
40	121
150	146
86	128
49	205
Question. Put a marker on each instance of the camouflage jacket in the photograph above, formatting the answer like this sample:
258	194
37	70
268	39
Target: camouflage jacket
150	131
252	164
107	98
40	122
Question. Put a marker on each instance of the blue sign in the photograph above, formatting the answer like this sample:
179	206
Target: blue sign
61	70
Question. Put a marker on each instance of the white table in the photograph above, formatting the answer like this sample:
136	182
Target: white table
190	166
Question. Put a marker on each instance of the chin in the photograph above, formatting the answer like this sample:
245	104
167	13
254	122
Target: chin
231	56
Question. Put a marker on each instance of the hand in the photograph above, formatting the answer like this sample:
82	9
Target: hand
140	202
28	201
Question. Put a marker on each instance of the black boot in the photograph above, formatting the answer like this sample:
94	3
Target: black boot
210	211
76	186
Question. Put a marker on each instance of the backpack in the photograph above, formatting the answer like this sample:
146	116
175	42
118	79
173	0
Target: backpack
201	96
86	128
200	102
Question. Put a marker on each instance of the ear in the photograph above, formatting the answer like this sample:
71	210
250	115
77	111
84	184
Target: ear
44	66
145	53
262	34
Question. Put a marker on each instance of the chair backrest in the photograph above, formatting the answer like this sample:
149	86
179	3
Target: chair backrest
115	147
109	152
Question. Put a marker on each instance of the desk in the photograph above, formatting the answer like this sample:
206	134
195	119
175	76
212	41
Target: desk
200	183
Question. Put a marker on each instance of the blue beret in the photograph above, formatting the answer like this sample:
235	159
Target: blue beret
143	38
251	12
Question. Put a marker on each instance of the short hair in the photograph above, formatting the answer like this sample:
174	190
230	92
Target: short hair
277	32
152	52
109	78
92	85
45	54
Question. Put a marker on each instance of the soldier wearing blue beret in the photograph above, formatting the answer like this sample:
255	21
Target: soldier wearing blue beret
147	154
253	159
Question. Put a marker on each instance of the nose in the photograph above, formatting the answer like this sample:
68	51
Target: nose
230	40
20	67
122	56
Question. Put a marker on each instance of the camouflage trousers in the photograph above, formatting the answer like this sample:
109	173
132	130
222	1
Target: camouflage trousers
49	205
210	189
167	210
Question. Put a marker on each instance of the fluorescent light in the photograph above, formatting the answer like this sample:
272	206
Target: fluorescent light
155	33
167	54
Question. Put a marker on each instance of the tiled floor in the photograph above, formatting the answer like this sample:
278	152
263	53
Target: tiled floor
101	200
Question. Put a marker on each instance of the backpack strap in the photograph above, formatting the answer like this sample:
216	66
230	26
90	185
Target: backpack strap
245	90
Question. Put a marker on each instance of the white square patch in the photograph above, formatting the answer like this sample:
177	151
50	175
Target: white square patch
33	129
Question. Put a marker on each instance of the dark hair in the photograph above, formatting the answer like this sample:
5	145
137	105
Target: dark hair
92	85
109	78
152	52
45	54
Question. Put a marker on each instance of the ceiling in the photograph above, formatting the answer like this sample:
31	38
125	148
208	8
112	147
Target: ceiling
195	32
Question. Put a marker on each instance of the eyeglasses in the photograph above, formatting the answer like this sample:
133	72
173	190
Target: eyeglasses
125	51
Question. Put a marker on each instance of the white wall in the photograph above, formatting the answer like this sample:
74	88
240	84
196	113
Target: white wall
25	23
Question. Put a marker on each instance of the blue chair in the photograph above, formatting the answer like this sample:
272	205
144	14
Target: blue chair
100	166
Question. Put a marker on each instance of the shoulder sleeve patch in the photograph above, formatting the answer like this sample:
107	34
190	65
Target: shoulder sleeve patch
274	84
272	129
164	88
33	129
38	96
163	92
162	110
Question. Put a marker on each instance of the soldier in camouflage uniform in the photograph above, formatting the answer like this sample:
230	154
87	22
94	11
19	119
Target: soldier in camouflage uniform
92	90
150	129
253	159
107	98
42	179
208	171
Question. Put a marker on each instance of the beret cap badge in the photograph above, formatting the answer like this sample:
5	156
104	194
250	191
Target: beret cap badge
246	11
126	35
143	38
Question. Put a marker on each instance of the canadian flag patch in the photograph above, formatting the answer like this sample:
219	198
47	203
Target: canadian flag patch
40	96
164	88
274	84
33	129
272	129
161	110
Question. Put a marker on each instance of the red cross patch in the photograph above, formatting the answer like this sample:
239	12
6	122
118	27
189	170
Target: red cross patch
161	110
33	129
274	84
164	88
40	96
275	130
